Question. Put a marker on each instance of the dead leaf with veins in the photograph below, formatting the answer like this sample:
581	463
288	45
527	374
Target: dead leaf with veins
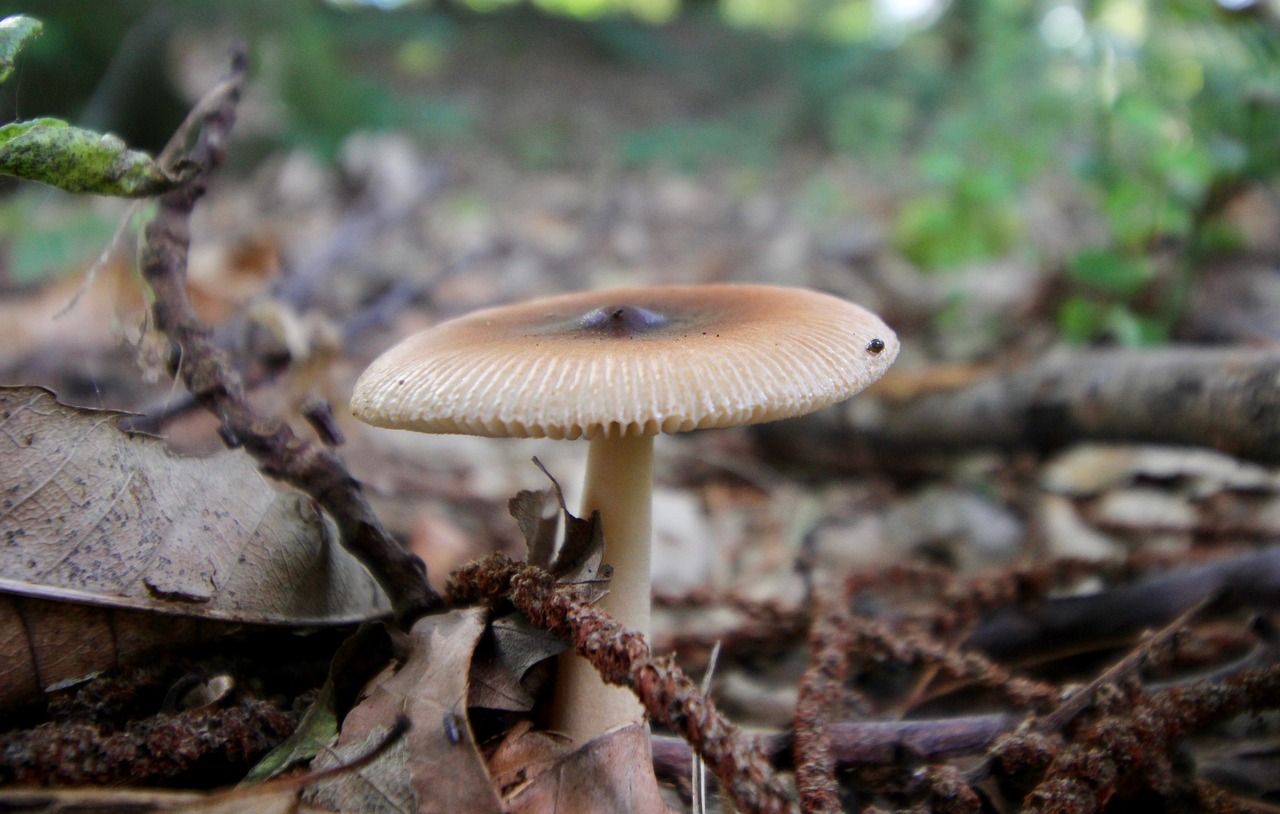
502	672
539	773
436	767
579	555
101	530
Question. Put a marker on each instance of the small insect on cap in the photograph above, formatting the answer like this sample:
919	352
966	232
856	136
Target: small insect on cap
626	362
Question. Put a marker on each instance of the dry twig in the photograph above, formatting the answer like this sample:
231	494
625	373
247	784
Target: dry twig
216	385
821	689
1249	580
1133	742
623	658
867	743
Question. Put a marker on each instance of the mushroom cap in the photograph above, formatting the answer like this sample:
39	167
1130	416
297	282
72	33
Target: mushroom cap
626	362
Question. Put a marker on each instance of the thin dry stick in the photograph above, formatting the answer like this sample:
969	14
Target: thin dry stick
1078	701
880	743
836	635
867	743
622	657
1139	740
905	647
216	385
1123	669
697	768
1249	580
821	686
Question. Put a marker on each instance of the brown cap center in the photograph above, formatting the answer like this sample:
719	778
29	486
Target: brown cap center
622	321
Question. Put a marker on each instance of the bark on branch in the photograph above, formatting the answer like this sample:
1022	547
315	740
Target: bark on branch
216	386
867	743
1246	581
1226	399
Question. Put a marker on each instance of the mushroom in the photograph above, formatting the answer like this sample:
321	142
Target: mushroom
618	367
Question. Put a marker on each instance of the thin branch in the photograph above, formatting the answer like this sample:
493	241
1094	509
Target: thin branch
1138	739
622	657
214	383
1122	671
866	743
1249	580
821	688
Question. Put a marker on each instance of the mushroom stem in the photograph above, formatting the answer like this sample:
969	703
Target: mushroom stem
619	484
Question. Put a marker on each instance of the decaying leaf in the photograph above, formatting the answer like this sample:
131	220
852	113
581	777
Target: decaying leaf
435	767
138	801
92	515
501	676
275	801
508	651
538	517
539	773
356	661
47	644
582	550
77	160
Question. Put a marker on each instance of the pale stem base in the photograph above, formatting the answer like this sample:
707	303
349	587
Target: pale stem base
618	485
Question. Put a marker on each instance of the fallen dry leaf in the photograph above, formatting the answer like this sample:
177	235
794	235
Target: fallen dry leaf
266	800
92	515
538	516
509	650
115	801
435	767
363	654
50	643
581	551
539	773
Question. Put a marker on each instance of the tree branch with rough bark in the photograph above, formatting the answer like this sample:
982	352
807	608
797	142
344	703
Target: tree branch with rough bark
1222	398
213	381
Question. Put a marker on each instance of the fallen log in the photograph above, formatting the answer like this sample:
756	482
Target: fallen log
1222	398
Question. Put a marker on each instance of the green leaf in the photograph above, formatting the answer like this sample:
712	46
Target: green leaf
356	661
1129	206
1080	320
947	229
317	729
41	246
1187	170
1134	330
1108	270
76	160
15	33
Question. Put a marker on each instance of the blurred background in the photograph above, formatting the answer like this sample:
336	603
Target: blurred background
1106	154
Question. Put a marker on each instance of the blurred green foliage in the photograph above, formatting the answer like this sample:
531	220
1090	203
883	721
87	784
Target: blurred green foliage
1155	112
44	237
1185	114
100	66
691	145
